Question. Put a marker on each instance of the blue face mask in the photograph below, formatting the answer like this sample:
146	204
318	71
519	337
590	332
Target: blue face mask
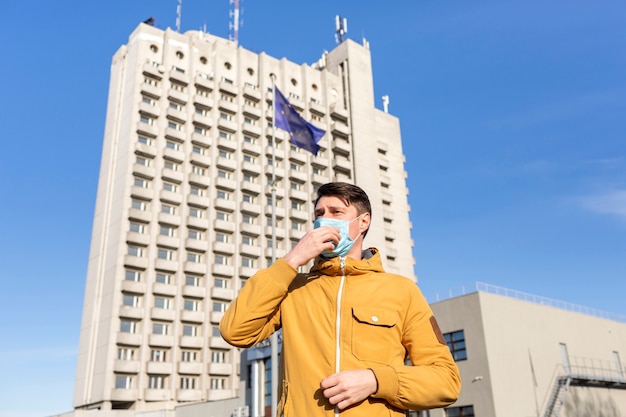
345	242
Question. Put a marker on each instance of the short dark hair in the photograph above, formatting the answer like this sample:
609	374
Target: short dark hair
349	193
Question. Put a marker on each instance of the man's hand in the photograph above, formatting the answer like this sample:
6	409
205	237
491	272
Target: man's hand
311	245
346	388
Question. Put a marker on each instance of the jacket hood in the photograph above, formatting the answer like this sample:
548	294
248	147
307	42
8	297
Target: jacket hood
370	262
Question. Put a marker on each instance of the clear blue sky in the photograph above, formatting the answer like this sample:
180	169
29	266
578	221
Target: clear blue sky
513	118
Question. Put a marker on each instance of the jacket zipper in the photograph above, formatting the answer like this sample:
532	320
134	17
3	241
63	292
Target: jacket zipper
342	262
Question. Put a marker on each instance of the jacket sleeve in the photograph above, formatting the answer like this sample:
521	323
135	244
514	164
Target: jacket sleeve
255	314
432	379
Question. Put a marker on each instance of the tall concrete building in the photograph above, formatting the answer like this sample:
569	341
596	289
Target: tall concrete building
185	204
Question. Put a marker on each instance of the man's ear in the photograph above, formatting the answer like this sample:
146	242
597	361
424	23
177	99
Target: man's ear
364	222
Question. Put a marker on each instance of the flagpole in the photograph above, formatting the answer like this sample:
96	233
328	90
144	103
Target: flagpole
274	336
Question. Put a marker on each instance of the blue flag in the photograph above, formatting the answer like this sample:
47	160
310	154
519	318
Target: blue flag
301	133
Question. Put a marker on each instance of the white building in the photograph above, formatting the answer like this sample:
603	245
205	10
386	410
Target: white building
184	205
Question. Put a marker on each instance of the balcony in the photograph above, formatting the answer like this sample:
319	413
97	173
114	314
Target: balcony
162	314
129	339
190	368
168	242
194	292
218	343
223	270
170	197
340	129
194	342
164	289
197	245
222	293
160	340
222	247
202	160
177	95
160	368
127	367
134	286
195	268
145	149
203	101
183	395
156	394
223	225
135	262
131	312
121	394
220	368
138	238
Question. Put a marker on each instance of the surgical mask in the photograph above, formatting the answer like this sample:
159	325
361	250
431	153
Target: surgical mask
345	242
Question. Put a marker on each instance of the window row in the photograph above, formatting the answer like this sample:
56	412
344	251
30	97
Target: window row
163	328
162	382
126	353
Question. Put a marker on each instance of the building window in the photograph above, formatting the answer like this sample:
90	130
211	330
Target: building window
128	326
198	149
195	234
123	381
163	278
160	328
125	354
130	300
220	282
174	125
218	356
139	204
151	81
196	212
171	165
296	205
146	119
465	411
187	382
156	381
141	182
135	251
158	355
167	231
224	154
222	237
190	330
215	331
223	174
247	219
195	190
178	87
170	186
223	194
189	356
162	302
193	280
194	257
221	215
165	254
140	160
137	227
132	275
248	240
456	343
168	209
219	306
248	139
192	305
247	198
172	145
144	140
247	262
218	383
198	170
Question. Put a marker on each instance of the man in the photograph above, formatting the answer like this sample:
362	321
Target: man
347	325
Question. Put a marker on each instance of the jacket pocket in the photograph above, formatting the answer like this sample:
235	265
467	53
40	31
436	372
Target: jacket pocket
374	334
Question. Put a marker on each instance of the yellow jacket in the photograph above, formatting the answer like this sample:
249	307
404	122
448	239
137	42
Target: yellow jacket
383	319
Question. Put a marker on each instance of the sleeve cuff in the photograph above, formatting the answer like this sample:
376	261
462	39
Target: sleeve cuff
387	382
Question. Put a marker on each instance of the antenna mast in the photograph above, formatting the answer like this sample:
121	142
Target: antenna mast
179	10
341	28
234	25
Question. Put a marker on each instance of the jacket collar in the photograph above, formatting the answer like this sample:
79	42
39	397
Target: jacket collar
370	262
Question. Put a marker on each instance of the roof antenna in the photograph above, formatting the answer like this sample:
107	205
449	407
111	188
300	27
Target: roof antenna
234	26
341	28
179	10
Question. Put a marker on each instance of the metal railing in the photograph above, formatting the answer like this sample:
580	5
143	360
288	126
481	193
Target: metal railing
520	295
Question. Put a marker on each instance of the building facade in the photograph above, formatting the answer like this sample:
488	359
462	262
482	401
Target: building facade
197	191
523	355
